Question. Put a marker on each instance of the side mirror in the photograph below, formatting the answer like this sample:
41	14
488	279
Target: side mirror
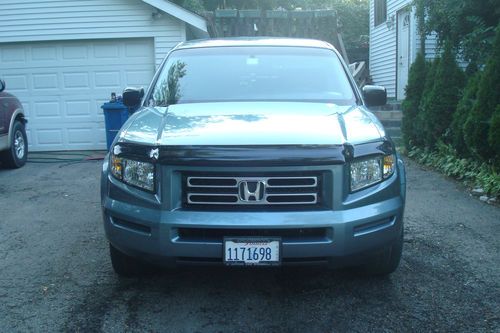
374	95
132	96
2	85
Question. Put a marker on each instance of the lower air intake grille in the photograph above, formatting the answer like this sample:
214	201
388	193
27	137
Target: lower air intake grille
217	235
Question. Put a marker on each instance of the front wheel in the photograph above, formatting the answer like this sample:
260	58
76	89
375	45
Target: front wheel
17	154
123	264
385	262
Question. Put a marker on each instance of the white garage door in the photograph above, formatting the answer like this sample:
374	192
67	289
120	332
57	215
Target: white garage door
62	86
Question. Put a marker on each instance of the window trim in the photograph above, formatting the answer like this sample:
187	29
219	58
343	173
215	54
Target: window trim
379	12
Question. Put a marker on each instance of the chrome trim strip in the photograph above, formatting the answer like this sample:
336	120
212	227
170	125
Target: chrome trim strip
239	179
264	201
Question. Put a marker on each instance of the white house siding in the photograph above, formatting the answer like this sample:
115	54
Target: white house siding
163	44
383	46
431	50
63	58
28	20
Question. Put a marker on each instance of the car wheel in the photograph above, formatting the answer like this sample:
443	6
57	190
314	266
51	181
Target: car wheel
16	156
386	262
123	264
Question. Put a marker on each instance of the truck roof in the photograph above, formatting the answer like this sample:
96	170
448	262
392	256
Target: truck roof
255	41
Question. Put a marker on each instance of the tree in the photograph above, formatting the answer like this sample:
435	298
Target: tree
192	5
420	119
464	106
414	91
467	24
353	15
440	104
478	124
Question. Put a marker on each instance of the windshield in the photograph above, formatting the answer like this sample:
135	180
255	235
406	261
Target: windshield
252	74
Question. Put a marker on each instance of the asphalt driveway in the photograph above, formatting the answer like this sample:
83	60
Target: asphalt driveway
55	273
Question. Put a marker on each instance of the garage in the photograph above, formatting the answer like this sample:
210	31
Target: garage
63	59
63	84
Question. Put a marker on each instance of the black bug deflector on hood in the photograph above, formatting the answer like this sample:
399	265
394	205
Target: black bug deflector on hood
253	155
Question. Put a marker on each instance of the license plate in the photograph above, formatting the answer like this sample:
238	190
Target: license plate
252	251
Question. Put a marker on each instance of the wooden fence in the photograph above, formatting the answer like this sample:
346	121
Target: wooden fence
317	24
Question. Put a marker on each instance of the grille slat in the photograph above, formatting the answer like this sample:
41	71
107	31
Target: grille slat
251	190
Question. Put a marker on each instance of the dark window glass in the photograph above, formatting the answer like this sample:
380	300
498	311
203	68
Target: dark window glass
380	11
252	74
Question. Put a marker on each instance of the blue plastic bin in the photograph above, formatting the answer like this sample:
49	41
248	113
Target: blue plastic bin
115	115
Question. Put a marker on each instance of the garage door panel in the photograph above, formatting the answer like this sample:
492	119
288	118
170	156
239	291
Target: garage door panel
75	52
44	53
46	81
78	108
137	78
76	80
13	55
73	136
66	109
46	109
50	138
107	79
106	51
79	136
16	83
137	49
62	86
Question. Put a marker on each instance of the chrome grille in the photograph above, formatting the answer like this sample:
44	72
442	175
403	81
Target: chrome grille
279	190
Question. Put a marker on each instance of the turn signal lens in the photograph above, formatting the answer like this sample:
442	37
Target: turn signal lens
389	165
117	167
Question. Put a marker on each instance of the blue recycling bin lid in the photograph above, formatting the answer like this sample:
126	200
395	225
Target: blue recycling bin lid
118	105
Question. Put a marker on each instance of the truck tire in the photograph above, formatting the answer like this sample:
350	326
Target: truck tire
17	154
386	262
123	264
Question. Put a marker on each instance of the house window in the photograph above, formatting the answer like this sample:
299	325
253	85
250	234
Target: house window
380	11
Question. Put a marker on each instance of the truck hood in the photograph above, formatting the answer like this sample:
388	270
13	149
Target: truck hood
251	123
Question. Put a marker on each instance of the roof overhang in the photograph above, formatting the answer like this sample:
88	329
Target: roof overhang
194	20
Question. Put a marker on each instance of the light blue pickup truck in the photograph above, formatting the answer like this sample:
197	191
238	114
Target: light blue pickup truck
252	152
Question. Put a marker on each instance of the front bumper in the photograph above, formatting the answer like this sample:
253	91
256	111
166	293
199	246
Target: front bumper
153	227
154	235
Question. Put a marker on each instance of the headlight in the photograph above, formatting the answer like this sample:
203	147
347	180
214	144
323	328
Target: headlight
135	173
370	171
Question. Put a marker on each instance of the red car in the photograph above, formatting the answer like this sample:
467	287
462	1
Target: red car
13	140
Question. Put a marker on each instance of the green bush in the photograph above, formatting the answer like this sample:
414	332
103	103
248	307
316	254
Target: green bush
478	123
414	91
494	136
440	104
420	120
464	106
445	159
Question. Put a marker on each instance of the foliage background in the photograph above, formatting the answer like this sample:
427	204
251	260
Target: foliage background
456	125
353	15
